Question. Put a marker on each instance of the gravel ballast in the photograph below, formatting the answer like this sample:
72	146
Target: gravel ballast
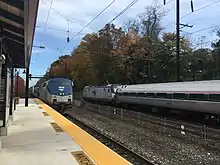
159	148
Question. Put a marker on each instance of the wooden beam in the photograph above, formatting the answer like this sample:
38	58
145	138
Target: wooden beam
22	43
11	9
11	35
14	33
11	22
12	28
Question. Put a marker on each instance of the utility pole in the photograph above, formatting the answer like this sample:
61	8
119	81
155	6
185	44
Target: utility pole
178	38
149	72
178	34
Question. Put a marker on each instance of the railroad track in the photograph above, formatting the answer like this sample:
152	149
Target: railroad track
122	150
198	134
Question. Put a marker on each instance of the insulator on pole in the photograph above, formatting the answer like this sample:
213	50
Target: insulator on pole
192	6
68	38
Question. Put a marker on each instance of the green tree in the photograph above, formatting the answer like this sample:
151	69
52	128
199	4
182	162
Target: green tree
138	53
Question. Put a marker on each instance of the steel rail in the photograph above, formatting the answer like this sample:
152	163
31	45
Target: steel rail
116	146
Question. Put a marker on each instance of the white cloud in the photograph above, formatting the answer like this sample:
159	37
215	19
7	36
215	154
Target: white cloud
83	11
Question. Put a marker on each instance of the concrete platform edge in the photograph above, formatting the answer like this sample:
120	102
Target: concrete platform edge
3	131
85	140
0	143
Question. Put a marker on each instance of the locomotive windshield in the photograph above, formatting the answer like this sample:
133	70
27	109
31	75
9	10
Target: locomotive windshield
60	86
114	88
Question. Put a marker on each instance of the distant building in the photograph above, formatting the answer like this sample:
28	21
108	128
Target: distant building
20	83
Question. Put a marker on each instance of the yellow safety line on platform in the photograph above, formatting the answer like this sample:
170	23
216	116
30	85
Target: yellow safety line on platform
101	154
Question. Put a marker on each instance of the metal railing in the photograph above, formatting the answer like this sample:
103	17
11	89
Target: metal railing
1	94
77	95
199	134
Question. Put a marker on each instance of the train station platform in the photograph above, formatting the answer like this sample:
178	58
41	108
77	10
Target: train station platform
40	135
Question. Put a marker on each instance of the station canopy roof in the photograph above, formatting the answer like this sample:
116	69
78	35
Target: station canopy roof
17	27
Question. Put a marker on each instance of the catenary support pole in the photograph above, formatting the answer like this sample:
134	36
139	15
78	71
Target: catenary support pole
12	87
17	74
178	39
27	87
5	90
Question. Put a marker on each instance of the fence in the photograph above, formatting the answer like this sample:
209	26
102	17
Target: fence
201	134
77	95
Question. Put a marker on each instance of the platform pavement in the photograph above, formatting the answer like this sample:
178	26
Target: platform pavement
32	140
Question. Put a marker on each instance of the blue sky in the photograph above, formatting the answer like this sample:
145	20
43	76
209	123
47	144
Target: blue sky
80	12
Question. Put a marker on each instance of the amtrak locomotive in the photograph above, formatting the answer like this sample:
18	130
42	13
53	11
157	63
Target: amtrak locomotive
100	94
58	92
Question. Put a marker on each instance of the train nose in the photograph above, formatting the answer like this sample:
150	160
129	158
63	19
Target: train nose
61	94
54	101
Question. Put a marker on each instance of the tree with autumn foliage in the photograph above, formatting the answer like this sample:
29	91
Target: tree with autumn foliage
140	52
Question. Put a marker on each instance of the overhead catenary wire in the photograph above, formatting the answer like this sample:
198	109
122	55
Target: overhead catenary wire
88	24
58	12
59	30
201	8
124	10
118	15
45	26
65	17
206	42
48	14
166	3
204	29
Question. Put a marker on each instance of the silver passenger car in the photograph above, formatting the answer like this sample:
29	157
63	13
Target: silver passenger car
199	96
